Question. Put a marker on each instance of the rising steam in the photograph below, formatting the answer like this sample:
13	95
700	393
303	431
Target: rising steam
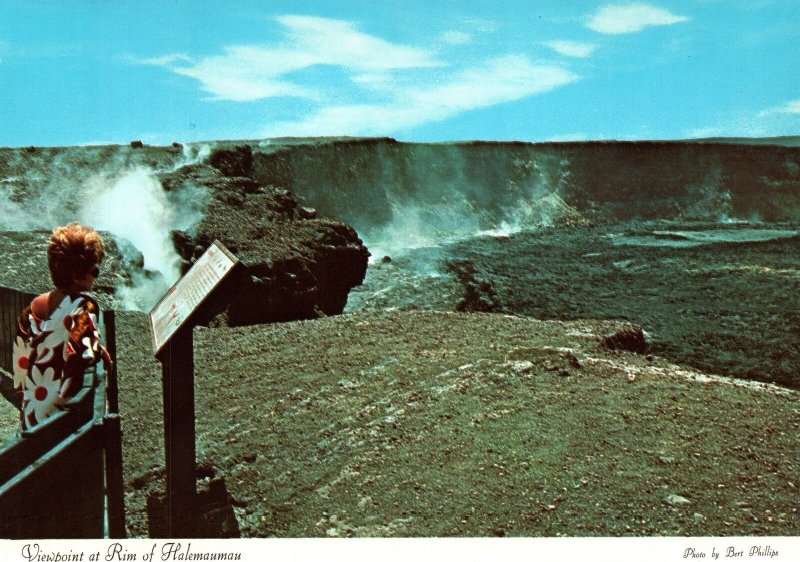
121	198
135	208
454	208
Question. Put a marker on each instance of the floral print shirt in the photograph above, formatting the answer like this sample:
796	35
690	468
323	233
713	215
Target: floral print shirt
52	354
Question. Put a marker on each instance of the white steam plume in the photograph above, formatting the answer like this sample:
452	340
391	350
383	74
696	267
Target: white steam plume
449	214
418	226
134	207
194	154
109	193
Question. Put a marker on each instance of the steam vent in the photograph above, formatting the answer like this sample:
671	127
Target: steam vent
453	339
296	264
295	211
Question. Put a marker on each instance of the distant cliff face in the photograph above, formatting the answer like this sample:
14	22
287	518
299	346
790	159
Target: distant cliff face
252	196
368	182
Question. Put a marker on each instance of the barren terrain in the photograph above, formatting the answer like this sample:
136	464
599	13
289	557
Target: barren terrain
445	424
474	385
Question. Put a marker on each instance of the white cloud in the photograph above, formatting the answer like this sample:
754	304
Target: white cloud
496	81
252	72
165	60
245	73
455	37
338	42
572	48
629	18
390	86
789	107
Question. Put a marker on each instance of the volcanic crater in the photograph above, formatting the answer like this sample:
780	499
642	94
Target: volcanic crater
458	339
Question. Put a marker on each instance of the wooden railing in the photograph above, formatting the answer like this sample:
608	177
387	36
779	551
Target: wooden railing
63	479
12	302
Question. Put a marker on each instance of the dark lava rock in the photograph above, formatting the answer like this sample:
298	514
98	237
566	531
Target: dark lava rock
237	161
630	338
138	482
192	174
290	269
183	242
245	185
479	294
307	213
205	470
283	202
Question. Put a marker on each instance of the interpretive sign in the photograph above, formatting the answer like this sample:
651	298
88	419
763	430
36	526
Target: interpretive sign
178	304
171	323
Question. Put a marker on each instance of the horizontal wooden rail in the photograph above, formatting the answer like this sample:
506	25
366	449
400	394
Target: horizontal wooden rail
32	444
60	495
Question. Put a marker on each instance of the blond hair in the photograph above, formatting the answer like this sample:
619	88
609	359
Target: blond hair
74	250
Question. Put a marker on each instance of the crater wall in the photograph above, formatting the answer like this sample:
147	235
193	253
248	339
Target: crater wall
366	181
412	193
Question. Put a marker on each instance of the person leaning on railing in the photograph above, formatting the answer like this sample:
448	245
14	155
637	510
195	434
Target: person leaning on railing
57	335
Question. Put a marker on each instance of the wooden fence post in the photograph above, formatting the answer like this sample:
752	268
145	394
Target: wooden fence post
115	482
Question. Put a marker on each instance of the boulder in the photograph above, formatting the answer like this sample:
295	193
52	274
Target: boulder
630	338
237	161
294	266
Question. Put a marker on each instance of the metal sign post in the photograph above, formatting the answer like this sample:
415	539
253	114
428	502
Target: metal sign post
171	326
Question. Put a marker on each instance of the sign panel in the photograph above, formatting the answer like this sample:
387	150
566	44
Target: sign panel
175	307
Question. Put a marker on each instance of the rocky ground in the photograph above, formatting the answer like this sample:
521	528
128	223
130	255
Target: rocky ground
295	265
407	422
445	424
539	409
725	302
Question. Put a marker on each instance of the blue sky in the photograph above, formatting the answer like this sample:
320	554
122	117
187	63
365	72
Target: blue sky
84	72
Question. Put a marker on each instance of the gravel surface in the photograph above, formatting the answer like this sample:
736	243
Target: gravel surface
445	424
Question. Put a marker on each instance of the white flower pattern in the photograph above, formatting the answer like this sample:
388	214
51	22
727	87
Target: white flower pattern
22	361
42	396
91	342
57	329
51	355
